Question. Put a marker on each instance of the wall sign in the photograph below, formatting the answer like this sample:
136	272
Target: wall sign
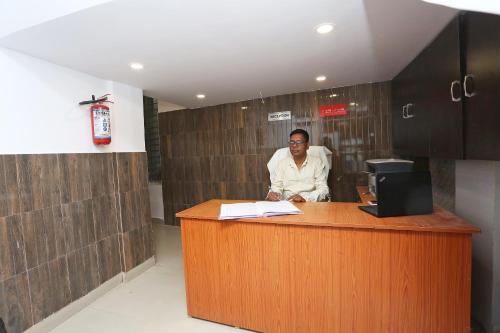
283	115
333	110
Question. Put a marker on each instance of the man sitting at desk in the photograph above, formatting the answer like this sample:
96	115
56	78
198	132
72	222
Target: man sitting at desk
300	178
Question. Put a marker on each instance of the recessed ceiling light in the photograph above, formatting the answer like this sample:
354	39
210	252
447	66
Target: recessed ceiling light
353	104
244	107
200	96
321	78
137	66
324	28
333	95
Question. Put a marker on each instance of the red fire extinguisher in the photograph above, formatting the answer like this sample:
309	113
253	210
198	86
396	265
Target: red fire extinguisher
101	120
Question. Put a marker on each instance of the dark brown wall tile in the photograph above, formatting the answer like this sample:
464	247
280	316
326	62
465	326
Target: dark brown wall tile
6	258
34	238
102	174
135	209
443	183
38	181
128	256
56	242
78	224
43	235
3	305
16	243
74	177
134	253
50	185
49	288
83	271
132	171
62	223
109	258
129	210
11	184
104	210
230	147
17	307
59	283
40	292
29	182
145	207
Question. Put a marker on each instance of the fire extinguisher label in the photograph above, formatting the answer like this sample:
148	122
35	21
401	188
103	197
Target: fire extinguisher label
102	125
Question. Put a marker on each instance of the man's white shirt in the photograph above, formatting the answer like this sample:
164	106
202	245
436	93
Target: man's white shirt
309	182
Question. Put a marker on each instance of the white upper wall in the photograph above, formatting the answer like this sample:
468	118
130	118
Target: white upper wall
39	111
17	15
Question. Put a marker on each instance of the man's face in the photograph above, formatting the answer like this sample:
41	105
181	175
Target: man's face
299	147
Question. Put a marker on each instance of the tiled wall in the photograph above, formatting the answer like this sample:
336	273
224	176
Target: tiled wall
222	151
443	183
68	223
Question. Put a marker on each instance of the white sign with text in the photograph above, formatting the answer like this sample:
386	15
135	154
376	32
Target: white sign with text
282	115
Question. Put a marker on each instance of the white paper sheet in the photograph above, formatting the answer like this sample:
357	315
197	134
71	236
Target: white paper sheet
257	209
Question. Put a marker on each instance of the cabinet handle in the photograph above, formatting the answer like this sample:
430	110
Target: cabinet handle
469	78
404	112
408	115
453	98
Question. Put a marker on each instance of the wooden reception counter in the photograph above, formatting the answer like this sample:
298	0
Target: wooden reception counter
332	269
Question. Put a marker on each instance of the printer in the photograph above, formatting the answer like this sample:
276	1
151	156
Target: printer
385	166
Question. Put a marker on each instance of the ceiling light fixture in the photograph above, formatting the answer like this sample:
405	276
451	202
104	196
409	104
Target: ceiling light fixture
244	107
200	96
324	28
136	65
333	95
321	78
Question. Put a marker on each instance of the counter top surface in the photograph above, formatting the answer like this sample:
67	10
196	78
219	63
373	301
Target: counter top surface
341	215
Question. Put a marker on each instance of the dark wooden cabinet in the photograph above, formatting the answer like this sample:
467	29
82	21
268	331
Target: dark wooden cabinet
481	39
451	94
443	93
399	102
410	135
430	114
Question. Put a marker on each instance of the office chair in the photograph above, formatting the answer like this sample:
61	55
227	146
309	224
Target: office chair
318	151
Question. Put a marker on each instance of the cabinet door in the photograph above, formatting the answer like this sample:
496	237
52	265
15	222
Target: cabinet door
399	123
417	114
443	93
482	86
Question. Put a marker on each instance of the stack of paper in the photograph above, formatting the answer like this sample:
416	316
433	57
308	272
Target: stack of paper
257	209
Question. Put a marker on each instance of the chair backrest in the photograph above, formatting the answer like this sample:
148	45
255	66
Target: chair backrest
319	151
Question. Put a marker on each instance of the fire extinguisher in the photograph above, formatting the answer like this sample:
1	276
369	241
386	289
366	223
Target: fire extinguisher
100	119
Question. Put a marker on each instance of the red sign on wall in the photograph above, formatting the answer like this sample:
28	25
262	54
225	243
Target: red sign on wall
333	110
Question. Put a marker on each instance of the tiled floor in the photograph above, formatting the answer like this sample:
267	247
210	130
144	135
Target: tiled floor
152	302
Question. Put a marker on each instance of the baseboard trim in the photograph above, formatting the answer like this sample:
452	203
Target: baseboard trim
73	308
139	269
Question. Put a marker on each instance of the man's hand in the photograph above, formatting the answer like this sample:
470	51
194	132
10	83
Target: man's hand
273	196
296	198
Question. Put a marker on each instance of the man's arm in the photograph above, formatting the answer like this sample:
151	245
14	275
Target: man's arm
276	190
321	186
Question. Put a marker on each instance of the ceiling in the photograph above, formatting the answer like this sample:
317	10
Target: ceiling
234	50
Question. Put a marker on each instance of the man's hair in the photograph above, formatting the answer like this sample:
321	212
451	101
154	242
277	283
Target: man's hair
301	131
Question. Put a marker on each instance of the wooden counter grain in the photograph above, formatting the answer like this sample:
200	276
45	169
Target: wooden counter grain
343	215
332	269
